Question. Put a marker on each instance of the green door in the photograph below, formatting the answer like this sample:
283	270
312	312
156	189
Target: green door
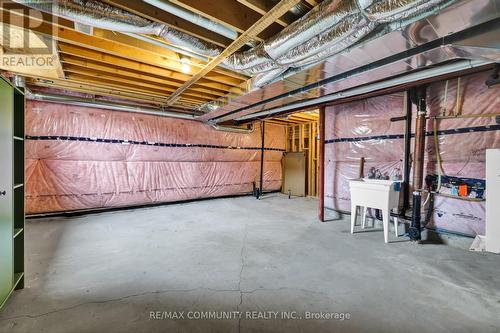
6	189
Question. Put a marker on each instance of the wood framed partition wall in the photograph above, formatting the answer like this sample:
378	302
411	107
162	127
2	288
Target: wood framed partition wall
12	103
303	138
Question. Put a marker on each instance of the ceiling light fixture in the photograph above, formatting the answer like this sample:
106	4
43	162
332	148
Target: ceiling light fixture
185	65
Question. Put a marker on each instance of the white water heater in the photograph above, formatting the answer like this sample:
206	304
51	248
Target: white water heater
493	200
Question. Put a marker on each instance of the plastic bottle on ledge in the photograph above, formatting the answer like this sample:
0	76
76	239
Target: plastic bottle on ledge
372	173
396	177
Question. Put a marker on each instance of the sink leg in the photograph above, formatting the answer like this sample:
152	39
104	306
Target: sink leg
396	226
385	222
363	217
354	213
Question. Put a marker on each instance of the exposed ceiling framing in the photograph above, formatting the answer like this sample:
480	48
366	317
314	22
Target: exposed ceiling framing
296	118
277	11
107	63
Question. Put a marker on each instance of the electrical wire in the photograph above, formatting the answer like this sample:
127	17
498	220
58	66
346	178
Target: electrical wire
438	155
427	199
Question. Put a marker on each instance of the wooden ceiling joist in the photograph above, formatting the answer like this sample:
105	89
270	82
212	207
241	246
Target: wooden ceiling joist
72	52
149	47
231	14
91	89
161	89
167	60
263	6
106	63
312	2
277	11
107	72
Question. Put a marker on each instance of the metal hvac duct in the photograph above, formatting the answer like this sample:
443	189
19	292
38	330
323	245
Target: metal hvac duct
326	30
107	105
194	18
96	14
411	77
19	81
88	102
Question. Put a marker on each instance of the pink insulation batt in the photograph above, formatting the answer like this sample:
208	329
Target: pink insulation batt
462	154
66	169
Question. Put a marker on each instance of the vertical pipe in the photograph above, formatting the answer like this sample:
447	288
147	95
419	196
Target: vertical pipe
321	214
407	152
361	167
263	129
419	96
414	232
418	160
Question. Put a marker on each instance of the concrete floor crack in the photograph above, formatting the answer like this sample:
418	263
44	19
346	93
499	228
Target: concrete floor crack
242	257
117	300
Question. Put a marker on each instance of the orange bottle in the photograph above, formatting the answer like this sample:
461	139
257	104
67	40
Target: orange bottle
462	190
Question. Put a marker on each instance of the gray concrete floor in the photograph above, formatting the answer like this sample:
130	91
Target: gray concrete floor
107	272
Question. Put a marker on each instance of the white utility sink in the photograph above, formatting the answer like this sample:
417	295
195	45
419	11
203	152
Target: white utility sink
374	193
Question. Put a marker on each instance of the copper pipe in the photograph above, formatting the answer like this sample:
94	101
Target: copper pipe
418	158
361	167
419	98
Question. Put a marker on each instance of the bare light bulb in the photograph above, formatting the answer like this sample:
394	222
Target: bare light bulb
185	67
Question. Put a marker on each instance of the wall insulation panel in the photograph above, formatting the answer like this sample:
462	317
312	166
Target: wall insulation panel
362	129
462	145
84	158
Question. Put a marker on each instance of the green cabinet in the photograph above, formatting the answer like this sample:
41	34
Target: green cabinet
12	103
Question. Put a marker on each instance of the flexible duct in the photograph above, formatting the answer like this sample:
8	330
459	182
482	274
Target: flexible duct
267	77
254	58
327	29
341	24
336	47
383	11
96	14
189	42
319	19
340	36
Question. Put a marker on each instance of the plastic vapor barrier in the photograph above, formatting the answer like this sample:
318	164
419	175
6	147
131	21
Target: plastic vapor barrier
462	146
84	158
356	130
362	129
